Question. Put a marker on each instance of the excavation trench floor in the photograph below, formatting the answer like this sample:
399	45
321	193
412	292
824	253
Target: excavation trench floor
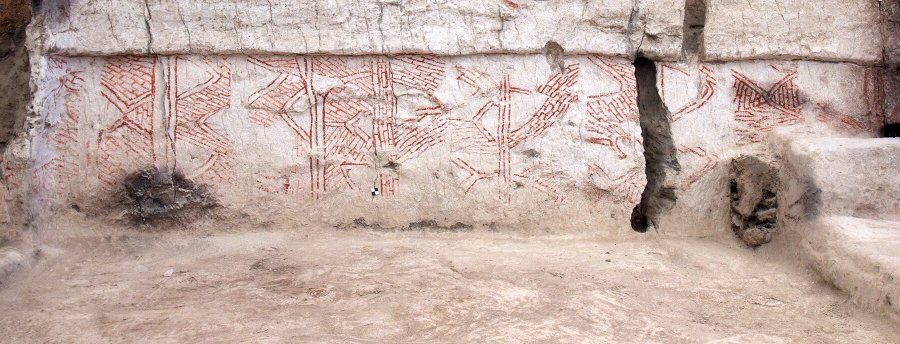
374	287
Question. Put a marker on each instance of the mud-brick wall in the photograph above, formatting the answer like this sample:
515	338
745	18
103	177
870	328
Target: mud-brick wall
14	101
504	114
455	139
722	110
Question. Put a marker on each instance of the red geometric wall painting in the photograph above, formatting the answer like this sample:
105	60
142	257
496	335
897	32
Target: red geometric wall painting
612	122
678	78
511	129
759	109
873	95
66	96
191	105
127	145
345	123
612	116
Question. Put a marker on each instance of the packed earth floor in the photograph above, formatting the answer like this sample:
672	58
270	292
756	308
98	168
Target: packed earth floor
327	285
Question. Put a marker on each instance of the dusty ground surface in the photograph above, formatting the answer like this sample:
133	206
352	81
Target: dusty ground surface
328	285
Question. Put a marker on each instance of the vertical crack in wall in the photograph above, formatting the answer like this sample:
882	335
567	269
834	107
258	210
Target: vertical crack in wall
148	16
694	22
166	104
659	149
634	23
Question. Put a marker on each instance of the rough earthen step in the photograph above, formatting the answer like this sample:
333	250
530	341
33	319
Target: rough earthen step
843	176
840	202
860	256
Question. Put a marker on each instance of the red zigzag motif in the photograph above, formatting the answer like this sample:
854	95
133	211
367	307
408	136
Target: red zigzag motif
127	144
707	90
609	113
760	110
473	137
335	138
193	106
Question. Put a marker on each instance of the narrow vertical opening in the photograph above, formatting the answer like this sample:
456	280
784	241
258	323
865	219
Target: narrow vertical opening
14	67
694	22
659	149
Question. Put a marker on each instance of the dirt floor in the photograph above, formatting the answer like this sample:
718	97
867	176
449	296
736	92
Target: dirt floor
337	286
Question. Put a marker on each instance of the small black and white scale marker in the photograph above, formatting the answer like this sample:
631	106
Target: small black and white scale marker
375	192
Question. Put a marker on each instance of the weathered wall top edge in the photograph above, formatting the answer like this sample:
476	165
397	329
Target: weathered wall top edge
573	53
83	52
609	28
230	52
733	30
791	57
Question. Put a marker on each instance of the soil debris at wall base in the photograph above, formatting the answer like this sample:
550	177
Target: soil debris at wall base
754	203
159	195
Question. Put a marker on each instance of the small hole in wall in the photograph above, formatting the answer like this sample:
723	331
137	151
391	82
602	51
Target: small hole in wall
891	130
555	55
392	165
638	220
